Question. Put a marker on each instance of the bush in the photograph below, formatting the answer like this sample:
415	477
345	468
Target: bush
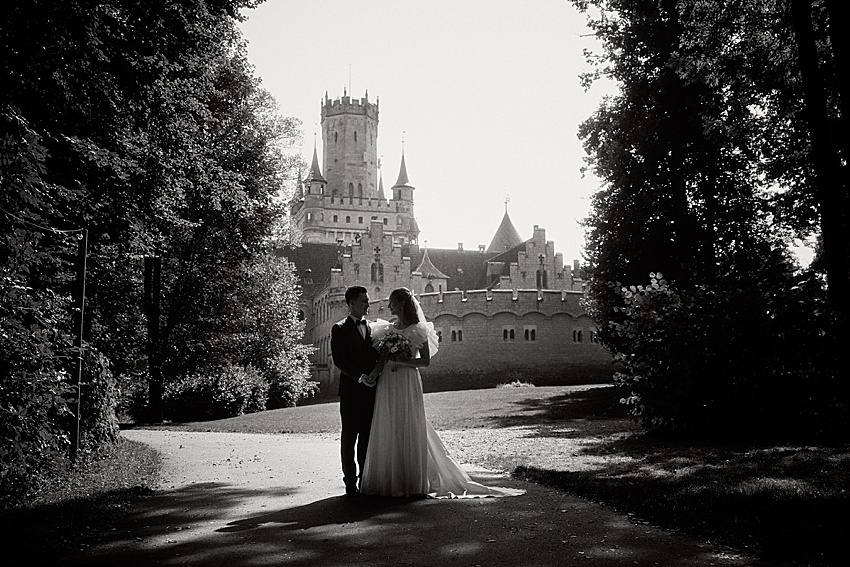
728	359
215	393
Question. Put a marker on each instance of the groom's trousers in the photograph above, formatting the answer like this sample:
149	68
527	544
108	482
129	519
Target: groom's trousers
355	410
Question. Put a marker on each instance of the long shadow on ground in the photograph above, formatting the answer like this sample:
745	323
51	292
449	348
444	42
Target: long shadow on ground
203	525
788	504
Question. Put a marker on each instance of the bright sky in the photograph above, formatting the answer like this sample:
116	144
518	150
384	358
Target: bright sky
485	95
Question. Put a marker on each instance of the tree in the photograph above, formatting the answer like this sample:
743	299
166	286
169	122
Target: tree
700	158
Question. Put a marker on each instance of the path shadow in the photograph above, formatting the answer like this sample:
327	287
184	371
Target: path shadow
205	525
588	412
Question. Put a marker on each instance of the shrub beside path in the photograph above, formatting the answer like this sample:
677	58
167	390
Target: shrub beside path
240	499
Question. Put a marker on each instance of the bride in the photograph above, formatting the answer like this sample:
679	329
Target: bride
405	455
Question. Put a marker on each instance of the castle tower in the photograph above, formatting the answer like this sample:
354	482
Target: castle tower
338	203
506	236
403	199
350	150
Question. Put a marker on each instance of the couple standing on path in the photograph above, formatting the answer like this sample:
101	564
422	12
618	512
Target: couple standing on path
383	409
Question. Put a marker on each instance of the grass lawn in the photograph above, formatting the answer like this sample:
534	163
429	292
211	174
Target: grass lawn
785	503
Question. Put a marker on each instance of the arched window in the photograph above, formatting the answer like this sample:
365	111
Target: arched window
542	280
347	218
512	334
351	189
526	334
360	190
335	135
377	272
355	135
459	336
454	336
385	220
533	334
505	335
429	288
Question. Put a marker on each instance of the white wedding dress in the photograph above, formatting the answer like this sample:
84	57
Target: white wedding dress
405	456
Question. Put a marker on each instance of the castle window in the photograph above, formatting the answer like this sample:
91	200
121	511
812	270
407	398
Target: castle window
309	216
542	280
398	221
577	336
594	337
336	218
429	288
377	272
351	189
530	333
355	135
439	335
360	190
360	220
347	218
385	220
335	135
454	336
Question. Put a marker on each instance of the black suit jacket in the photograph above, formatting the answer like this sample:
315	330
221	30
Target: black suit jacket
353	355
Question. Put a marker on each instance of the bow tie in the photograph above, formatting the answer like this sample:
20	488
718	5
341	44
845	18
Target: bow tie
361	322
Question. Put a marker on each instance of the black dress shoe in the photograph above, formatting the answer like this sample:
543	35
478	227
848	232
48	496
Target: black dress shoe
351	491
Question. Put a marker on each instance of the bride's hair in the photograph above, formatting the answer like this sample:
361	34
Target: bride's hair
408	308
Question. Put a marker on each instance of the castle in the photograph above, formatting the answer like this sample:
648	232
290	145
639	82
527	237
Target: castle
510	311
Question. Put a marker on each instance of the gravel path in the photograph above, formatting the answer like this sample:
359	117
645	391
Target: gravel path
247	499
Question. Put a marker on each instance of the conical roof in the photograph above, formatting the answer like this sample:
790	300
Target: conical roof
403	181
506	236
428	269
381	188
315	171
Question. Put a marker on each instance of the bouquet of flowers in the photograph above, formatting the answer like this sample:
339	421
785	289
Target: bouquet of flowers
395	345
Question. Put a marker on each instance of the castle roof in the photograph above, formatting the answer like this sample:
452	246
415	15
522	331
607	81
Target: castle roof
499	265
403	181
381	188
313	262
315	171
428	269
506	236
462	267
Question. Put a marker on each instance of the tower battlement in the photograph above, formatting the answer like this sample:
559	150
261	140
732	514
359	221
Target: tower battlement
347	105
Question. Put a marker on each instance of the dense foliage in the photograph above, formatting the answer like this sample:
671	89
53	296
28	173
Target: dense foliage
142	123
709	171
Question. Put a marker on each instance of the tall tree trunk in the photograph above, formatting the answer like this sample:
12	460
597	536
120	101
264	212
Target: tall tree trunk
829	186
153	291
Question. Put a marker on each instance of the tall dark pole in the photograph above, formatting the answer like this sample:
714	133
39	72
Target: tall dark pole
153	291
82	251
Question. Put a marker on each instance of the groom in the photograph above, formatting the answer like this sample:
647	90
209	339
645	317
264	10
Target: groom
351	348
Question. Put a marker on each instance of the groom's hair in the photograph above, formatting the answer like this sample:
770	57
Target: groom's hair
353	293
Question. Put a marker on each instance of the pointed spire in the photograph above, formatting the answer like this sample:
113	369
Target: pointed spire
428	269
381	195
402	174
506	236
315	172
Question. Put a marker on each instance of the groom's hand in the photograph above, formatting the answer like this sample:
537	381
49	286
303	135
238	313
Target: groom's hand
368	380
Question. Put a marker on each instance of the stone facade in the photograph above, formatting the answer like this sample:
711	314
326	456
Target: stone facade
509	312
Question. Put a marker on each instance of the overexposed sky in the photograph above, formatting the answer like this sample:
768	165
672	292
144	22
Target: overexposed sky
484	93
